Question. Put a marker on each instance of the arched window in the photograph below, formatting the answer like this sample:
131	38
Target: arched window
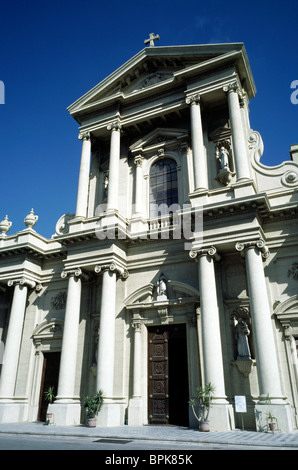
163	187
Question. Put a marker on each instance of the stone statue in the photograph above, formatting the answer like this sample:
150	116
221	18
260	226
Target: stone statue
223	156
241	333
161	288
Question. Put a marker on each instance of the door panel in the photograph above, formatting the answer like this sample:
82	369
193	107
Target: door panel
168	375
158	377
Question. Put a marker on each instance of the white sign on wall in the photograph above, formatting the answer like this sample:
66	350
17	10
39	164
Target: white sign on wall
240	404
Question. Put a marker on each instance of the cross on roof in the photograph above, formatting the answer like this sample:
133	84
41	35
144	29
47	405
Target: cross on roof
151	39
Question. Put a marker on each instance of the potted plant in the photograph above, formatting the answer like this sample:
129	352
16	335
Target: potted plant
201	403
270	418
92	405
49	396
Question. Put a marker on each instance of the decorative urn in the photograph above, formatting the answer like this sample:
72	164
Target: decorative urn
5	225
31	219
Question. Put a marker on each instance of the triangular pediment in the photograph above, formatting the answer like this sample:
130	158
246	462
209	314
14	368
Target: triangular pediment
157	66
160	137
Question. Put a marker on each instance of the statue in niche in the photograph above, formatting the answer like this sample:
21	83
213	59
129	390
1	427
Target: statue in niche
162	288
241	334
222	155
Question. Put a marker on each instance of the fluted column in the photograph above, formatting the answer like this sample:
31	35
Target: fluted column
113	186
83	185
266	357
66	408
240	145
198	149
211	340
14	336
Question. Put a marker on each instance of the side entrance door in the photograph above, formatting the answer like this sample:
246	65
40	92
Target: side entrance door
168	393
50	375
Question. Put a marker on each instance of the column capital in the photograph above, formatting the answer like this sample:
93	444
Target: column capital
138	160
84	136
193	99
25	282
231	87
208	251
137	325
113	268
259	244
77	272
114	126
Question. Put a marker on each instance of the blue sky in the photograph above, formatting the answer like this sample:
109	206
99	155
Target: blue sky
51	53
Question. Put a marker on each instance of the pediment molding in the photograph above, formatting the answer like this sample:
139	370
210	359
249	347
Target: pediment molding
179	293
287	310
156	65
160	137
48	330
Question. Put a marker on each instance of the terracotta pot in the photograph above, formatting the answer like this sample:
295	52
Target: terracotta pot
91	422
204	426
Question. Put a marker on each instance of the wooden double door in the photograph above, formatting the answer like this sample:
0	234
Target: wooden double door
168	392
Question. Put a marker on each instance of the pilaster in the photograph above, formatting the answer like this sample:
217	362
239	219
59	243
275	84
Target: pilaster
135	408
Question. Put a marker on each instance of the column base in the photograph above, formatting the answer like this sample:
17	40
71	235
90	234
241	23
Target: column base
282	413
221	417
135	412
112	413
11	410
65	413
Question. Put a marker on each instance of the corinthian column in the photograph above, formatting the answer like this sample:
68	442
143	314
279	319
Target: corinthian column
211	338
239	141
113	187
83	186
198	149
66	408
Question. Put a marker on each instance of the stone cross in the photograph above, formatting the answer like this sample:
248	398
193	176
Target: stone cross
151	39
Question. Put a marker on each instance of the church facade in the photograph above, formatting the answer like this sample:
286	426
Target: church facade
179	267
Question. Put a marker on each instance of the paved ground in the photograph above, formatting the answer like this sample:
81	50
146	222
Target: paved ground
164	433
